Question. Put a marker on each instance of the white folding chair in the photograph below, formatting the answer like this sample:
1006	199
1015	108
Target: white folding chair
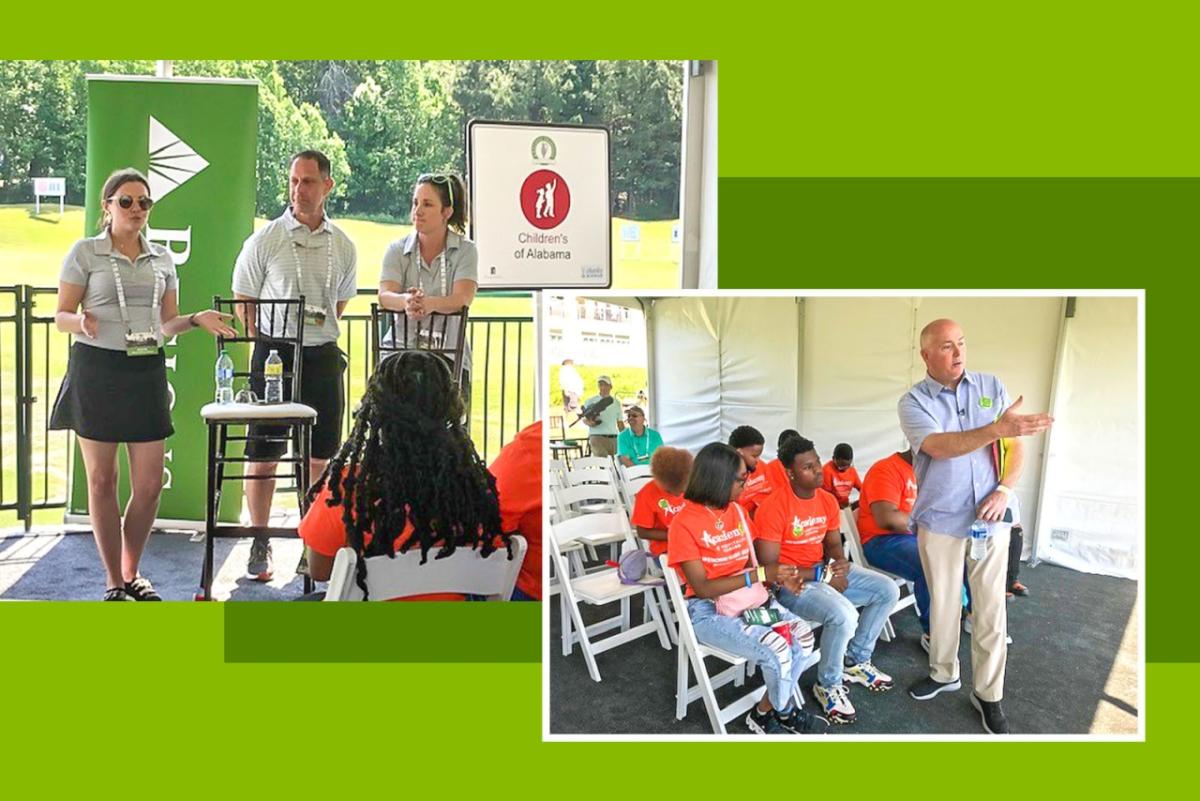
592	463
632	480
692	651
465	571
859	557
598	589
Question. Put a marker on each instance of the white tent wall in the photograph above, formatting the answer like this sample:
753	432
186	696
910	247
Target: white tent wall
720	362
1091	517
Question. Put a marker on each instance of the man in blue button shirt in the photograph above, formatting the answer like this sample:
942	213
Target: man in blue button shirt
951	419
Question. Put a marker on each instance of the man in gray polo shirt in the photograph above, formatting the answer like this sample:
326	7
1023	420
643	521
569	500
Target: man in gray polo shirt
951	418
299	253
604	425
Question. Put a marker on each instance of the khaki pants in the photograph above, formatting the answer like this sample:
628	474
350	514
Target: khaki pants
602	445
942	558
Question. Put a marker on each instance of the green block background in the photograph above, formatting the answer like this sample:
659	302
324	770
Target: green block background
142	696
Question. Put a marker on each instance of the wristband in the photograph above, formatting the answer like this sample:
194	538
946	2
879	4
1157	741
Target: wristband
192	320
1006	490
816	572
747	575
762	574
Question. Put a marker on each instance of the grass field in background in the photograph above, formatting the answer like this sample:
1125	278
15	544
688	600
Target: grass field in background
627	380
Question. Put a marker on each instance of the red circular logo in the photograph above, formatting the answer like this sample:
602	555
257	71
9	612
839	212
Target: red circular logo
545	199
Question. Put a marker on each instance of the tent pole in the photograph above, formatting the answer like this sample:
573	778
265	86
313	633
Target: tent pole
1068	311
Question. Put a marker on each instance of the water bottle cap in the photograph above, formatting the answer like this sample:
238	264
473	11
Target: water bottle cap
274	352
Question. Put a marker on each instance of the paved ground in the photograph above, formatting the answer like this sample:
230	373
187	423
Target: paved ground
1073	668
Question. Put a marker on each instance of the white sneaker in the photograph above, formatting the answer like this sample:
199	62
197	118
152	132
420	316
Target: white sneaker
835	704
867	675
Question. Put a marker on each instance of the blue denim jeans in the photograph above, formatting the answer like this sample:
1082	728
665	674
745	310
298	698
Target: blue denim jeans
844	632
897	553
780	663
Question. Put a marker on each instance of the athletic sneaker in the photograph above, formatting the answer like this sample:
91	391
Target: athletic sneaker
116	594
835	703
260	567
140	589
1017	588
766	723
927	688
991	714
968	626
925	642
867	675
800	721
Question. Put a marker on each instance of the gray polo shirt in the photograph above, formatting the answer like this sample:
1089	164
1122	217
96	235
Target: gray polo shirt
952	489
403	264
89	264
267	268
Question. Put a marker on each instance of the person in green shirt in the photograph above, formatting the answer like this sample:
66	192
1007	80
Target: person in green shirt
638	441
604	425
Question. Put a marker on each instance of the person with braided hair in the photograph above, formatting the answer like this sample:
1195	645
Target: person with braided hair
408	472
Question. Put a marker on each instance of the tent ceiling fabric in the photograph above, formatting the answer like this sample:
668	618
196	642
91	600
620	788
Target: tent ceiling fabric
834	367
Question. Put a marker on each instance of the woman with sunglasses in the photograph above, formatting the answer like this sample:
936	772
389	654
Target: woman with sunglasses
435	268
117	294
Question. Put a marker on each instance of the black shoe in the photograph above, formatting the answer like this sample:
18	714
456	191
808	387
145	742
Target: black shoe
925	689
1017	588
768	723
116	594
140	589
801	721
991	714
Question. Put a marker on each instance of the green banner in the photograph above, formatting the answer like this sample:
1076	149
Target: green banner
196	140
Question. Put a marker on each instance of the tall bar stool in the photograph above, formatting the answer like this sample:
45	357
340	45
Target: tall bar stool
296	418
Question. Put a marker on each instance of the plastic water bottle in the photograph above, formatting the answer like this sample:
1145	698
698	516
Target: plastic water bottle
979	538
273	373
224	378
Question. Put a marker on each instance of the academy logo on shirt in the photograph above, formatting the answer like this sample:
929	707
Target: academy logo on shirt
815	524
985	403
668	508
723	537
172	161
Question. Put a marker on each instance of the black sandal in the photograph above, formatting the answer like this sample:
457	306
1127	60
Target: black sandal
116	594
140	589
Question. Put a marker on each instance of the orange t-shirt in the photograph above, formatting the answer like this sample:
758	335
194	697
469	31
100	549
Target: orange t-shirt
891	479
799	525
776	476
757	488
654	507
716	539
518	472
840	482
322	530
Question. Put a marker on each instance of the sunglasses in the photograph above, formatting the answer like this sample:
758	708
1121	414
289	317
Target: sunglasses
440	178
126	202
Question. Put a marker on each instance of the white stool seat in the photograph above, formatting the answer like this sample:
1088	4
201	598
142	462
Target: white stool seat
257	411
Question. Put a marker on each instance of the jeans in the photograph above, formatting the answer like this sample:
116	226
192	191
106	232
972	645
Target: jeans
897	553
845	633
780	663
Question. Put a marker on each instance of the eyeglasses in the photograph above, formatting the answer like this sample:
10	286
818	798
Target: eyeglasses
126	202
444	179
740	480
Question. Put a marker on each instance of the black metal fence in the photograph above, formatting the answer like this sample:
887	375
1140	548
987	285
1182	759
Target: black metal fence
36	462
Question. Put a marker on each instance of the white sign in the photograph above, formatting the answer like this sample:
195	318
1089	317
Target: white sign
540	213
48	187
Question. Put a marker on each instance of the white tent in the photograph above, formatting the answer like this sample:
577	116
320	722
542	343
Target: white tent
834	367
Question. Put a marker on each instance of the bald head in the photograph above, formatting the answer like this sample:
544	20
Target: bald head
944	350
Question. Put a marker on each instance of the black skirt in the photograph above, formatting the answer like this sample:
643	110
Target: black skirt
110	396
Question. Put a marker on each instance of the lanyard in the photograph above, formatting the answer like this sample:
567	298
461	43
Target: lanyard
328	265
645	437
154	321
441	270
